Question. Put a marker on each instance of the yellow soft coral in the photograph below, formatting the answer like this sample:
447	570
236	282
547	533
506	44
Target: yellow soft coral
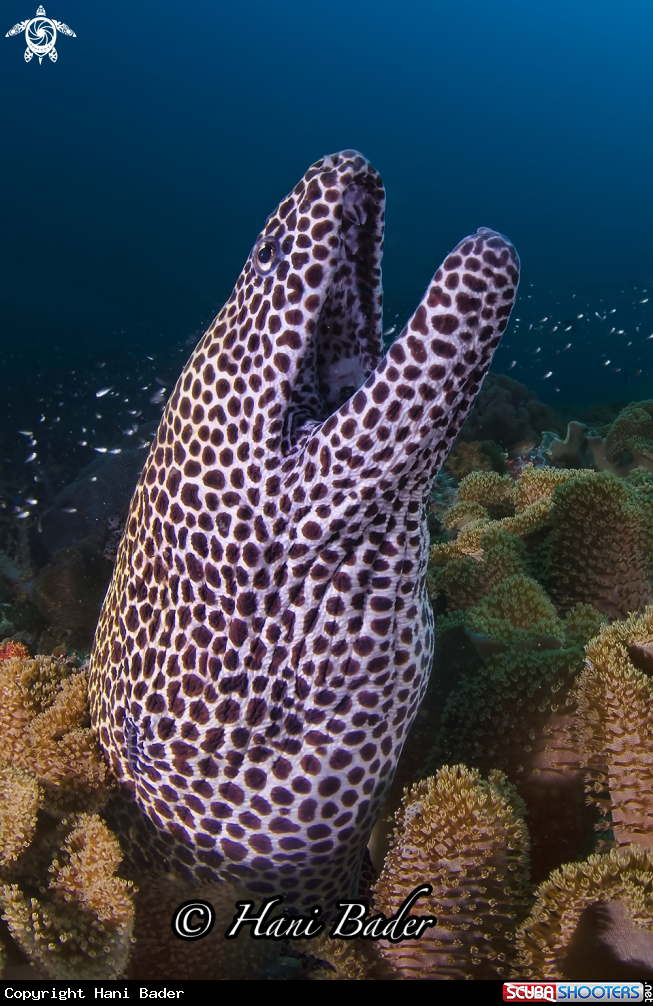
539	483
494	492
615	726
20	799
621	883
45	730
81	927
463	835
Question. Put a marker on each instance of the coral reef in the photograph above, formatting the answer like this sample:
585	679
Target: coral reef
589	537
11	648
461	834
615	725
592	920
474	456
532	683
508	413
81	927
627	443
601	544
68	593
45	731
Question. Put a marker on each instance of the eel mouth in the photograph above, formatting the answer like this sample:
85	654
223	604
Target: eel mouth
348	343
330	232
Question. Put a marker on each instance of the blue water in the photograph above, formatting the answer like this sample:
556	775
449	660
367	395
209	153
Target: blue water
137	170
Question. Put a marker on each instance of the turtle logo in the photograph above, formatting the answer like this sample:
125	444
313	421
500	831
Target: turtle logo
40	35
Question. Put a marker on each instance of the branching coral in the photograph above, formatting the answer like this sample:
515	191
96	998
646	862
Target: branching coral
532	658
536	484
80	928
50	764
494	492
463	835
518	611
632	434
488	547
615	725
11	648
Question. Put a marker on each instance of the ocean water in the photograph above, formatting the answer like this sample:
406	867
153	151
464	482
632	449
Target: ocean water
138	168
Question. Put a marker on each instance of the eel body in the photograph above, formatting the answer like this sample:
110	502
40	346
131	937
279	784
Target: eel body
266	639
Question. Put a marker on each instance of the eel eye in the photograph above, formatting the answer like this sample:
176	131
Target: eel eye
266	255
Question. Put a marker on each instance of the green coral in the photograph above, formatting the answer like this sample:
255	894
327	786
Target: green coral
531	659
587	537
601	545
465	580
631	433
517	610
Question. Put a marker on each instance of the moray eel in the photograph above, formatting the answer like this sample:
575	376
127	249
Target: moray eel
266	639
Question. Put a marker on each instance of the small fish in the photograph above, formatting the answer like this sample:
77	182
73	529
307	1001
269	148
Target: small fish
101	450
548	374
645	301
103	391
523	447
32	457
26	433
69	509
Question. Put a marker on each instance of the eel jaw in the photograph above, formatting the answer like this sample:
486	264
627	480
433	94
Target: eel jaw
328	237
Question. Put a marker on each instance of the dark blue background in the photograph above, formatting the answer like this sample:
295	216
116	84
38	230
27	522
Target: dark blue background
137	169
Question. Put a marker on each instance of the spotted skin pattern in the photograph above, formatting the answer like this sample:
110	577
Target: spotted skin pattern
266	639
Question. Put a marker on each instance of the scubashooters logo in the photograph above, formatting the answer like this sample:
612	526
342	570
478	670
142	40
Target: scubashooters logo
352	923
40	35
